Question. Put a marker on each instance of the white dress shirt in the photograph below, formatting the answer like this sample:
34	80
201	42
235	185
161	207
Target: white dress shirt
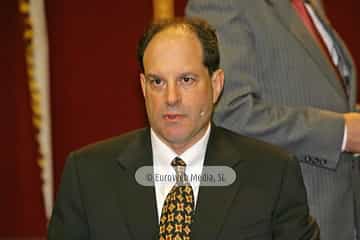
329	43
163	155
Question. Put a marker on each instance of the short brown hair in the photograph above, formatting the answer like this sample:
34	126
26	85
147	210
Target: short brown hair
204	32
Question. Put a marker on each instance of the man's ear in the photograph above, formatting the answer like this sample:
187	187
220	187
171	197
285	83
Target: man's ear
143	83
217	80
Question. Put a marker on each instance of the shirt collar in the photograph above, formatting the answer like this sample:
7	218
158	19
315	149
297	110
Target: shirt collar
163	154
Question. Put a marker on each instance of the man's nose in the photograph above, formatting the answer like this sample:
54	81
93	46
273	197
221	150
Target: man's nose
173	95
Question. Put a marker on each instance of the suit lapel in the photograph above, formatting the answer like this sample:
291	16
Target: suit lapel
139	202
213	203
289	19
345	64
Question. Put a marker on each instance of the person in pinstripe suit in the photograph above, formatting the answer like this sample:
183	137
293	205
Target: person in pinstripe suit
280	87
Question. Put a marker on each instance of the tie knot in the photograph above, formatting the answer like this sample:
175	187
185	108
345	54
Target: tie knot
178	162
179	166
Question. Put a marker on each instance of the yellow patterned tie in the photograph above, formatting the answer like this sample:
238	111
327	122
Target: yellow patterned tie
178	209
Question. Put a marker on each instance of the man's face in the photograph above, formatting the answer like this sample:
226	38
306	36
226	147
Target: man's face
178	90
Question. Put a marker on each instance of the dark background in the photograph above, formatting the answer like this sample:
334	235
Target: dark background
95	90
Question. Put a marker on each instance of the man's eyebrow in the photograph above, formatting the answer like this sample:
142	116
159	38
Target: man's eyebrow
151	76
154	76
189	73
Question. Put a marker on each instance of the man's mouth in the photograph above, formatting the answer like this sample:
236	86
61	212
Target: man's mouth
173	117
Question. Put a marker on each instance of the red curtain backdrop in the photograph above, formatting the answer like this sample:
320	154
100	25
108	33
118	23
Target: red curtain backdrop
21	208
344	16
94	73
94	88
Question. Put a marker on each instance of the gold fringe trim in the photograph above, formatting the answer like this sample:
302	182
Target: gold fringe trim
163	9
33	85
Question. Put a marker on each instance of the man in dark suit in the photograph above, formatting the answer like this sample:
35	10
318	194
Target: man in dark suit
290	81
104	192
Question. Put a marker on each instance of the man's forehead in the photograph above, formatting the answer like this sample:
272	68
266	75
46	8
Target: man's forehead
172	37
176	49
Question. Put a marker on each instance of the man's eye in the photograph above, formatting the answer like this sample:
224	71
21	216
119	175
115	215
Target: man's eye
156	82
187	80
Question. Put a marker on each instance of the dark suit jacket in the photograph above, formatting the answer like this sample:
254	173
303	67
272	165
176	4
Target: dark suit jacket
100	199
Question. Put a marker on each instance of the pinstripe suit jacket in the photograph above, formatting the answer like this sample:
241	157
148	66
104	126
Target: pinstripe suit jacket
280	87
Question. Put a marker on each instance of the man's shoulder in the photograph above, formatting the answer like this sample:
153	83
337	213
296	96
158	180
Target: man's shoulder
111	147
